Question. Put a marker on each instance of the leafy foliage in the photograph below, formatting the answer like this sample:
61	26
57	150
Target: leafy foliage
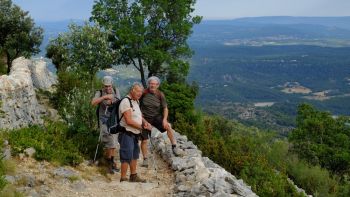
151	35
84	50
51	143
18	34
314	179
180	98
322	140
78	55
241	150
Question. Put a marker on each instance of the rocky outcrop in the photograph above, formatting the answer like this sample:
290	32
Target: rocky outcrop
42	78
18	103
197	175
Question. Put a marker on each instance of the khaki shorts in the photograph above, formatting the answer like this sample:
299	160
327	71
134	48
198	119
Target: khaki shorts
108	140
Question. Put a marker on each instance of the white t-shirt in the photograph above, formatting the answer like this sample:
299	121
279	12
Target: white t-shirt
136	114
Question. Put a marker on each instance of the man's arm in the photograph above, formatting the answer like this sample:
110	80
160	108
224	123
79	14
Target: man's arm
129	121
165	118
98	100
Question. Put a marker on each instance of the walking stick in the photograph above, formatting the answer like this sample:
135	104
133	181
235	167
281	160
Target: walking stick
98	144
153	157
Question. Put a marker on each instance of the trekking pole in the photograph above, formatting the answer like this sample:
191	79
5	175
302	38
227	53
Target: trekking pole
153	157
98	144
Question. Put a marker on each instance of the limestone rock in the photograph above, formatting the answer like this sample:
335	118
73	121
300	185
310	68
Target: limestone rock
63	172
29	151
19	106
197	175
41	76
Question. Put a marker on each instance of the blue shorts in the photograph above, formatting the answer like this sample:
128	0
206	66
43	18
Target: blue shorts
129	147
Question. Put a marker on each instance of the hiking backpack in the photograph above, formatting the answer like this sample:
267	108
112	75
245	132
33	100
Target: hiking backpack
113	122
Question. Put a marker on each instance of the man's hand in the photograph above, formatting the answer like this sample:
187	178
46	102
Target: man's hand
166	124
109	98
147	126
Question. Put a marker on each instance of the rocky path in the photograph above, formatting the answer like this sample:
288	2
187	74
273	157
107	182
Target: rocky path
186	175
46	179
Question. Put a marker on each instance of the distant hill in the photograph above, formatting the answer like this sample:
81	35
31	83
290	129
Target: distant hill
338	22
320	31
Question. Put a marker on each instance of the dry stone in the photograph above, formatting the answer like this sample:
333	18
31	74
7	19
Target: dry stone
197	175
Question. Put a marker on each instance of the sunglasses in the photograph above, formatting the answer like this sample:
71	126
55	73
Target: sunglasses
108	86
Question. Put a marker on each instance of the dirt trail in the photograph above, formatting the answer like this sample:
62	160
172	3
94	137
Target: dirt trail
93	181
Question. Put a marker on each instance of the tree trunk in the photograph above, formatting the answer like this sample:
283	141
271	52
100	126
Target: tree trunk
142	72
9	62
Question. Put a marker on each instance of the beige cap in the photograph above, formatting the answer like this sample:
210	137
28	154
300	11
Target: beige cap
107	80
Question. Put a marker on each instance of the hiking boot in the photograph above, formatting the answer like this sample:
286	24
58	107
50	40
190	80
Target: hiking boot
178	152
135	178
123	179
113	169
145	163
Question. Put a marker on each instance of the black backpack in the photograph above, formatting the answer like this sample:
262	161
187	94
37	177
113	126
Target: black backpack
113	122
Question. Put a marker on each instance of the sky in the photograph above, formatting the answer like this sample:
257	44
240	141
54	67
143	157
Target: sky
56	10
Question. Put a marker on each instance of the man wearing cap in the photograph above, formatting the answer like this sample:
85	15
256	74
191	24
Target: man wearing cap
105	98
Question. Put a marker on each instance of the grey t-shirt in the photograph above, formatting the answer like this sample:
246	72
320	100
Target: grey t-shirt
152	105
103	111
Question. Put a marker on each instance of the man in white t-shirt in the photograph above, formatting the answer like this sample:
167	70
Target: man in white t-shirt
132	121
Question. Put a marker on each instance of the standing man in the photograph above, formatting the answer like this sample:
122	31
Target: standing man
155	112
133	123
105	98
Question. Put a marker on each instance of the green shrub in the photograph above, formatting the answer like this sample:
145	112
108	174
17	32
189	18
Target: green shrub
240	150
3	182
3	68
50	142
321	139
180	98
313	179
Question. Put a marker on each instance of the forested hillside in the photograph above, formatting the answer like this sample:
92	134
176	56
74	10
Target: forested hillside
258	70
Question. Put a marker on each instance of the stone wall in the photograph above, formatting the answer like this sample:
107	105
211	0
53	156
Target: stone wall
197	175
18	102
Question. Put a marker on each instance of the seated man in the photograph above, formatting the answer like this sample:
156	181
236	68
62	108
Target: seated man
131	115
155	112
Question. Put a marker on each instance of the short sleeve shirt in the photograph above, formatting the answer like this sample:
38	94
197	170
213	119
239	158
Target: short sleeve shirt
103	110
136	114
152	105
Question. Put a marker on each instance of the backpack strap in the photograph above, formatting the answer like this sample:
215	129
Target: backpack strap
132	107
